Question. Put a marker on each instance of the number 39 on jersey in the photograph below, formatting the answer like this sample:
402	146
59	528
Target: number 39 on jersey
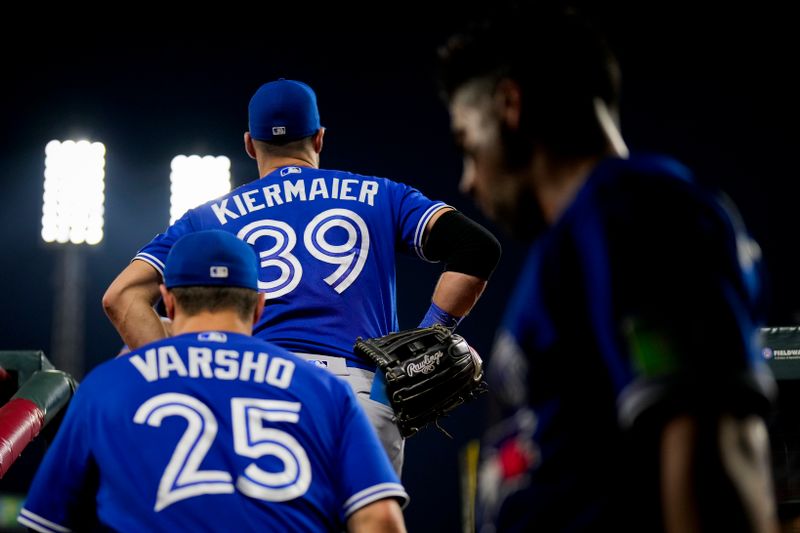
349	256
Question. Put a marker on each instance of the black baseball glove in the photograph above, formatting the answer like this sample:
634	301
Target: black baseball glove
429	372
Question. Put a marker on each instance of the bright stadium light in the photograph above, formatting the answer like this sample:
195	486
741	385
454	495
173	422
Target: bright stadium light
72	212
74	192
196	180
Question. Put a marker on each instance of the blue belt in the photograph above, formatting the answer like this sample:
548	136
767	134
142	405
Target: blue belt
378	391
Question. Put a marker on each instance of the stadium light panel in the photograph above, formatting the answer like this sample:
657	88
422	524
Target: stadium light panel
74	192
196	180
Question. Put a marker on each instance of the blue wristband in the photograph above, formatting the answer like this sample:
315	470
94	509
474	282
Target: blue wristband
437	315
378	390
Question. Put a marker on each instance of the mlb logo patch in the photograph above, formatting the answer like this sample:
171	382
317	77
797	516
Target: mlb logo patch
290	170
219	272
317	362
279	130
212	336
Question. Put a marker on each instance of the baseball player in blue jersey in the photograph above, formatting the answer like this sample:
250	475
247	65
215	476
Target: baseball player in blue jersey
212	429
627	373
327	242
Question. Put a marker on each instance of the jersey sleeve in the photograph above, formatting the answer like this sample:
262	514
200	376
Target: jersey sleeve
683	286
365	474
62	495
412	211
156	251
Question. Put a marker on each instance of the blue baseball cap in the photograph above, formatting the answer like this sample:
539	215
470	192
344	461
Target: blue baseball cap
211	258
283	110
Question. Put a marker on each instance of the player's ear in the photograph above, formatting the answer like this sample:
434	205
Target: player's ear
259	307
249	147
318	140
508	102
169	301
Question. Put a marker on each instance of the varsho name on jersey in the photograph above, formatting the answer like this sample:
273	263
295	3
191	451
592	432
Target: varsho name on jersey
221	363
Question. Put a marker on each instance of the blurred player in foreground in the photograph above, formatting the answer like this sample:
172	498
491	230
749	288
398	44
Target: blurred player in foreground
627	366
327	241
213	430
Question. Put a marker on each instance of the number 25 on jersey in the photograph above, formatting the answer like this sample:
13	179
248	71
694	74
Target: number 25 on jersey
183	478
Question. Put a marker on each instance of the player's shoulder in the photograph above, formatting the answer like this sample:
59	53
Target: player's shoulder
249	343
121	365
328	174
236	191
346	174
646	188
302	368
652	206
113	373
647	174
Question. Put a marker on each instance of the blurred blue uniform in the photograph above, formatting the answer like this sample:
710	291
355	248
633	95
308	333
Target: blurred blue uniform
642	301
210	431
327	242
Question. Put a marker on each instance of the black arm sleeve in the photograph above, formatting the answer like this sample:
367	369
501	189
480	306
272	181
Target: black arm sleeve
464	245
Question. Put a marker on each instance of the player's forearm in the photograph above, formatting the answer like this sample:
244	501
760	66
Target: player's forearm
140	325
129	301
744	450
728	449
135	319
457	293
678	498
470	254
383	516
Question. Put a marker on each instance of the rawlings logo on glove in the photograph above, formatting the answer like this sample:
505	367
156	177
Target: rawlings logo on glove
426	366
429	372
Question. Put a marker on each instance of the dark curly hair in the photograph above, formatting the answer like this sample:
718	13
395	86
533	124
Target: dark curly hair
560	62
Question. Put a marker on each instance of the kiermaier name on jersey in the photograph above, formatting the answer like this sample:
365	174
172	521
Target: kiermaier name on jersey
238	205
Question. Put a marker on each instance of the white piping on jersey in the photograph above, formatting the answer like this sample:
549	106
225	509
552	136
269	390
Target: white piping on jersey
374	493
152	260
420	231
34	521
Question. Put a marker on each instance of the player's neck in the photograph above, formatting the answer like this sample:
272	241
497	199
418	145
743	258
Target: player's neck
558	181
267	165
206	321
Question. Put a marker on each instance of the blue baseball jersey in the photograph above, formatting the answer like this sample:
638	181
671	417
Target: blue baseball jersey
641	302
210	431
327	242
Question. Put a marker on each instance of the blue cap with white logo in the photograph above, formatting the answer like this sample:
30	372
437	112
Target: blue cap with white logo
211	258
283	110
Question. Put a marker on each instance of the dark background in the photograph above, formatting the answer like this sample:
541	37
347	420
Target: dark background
711	87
